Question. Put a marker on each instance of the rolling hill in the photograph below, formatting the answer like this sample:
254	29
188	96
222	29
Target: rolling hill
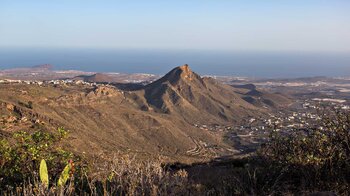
261	98
98	77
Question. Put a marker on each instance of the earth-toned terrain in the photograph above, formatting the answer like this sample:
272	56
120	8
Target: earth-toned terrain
160	118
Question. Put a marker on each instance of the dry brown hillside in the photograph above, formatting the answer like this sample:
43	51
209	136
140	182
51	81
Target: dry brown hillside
157	119
183	92
260	98
98	77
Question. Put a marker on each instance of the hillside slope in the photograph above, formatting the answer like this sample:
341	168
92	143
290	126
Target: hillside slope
261	98
156	119
98	77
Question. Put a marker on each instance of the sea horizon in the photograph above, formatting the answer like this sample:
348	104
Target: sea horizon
243	63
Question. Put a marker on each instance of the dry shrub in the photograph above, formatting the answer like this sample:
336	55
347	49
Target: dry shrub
312	159
300	162
122	175
125	175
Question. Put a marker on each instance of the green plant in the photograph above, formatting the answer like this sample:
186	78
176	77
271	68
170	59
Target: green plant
65	174
21	155
62	132
44	176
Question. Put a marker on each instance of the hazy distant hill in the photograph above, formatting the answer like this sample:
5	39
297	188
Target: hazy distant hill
47	72
36	68
98	77
43	67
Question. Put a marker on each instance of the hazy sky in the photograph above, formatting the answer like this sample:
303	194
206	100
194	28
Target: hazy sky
302	25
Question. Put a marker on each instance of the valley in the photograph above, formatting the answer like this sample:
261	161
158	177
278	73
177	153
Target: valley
182	127
153	98
156	119
181	115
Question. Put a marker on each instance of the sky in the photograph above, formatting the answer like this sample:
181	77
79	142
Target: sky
246	25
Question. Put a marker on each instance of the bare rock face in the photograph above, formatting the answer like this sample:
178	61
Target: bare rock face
10	107
106	91
11	119
186	72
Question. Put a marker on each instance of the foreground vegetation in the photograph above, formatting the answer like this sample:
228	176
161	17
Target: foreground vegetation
23	162
304	161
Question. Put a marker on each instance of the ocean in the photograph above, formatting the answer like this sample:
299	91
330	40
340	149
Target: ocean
205	62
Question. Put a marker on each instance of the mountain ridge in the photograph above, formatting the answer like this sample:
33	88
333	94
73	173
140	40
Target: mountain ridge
184	92
155	118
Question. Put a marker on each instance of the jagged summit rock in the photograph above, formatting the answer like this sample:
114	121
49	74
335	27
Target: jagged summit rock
179	76
186	71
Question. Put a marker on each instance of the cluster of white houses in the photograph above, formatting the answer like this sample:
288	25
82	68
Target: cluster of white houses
36	82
